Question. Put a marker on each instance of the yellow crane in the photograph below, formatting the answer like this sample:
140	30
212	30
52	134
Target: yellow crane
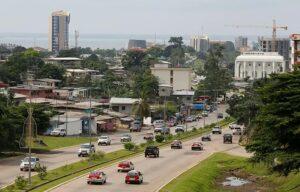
274	28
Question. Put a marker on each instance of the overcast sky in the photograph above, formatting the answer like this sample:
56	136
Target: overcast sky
152	16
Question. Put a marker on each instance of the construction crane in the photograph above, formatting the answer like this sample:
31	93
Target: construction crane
274	28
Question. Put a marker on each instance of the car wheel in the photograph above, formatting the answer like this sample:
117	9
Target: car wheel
145	155
21	169
105	181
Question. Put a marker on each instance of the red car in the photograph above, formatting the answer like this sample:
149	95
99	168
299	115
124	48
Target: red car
96	177
134	177
197	146
125	166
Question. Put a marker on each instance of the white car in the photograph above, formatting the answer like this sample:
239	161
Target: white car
158	123
179	128
58	132
126	138
217	130
35	162
104	140
237	131
86	149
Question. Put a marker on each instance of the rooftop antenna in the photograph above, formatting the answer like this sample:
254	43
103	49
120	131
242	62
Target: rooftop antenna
76	38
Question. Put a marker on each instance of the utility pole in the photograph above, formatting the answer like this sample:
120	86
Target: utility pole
29	136
90	121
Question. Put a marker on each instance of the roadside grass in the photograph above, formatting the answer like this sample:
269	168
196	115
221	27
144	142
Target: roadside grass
59	142
70	171
202	177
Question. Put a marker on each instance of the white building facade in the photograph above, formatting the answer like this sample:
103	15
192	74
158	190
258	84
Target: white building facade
178	78
200	43
256	65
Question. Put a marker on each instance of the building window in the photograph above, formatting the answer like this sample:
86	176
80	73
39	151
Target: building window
171	80
123	108
188	98
172	72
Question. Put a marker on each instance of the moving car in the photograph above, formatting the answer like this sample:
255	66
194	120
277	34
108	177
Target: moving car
126	138
86	149
179	128
233	126
104	140
136	126
134	177
125	166
152	151
227	138
162	130
237	131
206	137
149	136
197	146
176	144
58	132
217	130
34	162
96	177
220	115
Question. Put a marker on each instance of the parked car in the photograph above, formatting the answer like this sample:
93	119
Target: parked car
237	131
158	123
227	138
176	144
220	116
152	151
96	177
204	114
206	137
197	146
189	119
104	140
171	123
86	149
136	126
179	128
126	138
134	177
149	136
125	166
58	132
217	130
34	162
233	126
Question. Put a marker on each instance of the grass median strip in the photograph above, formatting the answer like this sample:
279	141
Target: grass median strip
67	172
208	176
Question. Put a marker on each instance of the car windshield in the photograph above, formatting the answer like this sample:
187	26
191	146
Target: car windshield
27	159
85	146
132	173
103	137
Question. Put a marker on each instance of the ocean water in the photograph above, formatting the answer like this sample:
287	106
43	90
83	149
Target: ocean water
103	41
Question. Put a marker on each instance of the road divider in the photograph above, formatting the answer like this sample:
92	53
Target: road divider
68	172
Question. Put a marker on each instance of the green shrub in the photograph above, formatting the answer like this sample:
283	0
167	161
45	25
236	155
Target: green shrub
96	156
194	129
159	138
21	182
129	146
42	172
169	137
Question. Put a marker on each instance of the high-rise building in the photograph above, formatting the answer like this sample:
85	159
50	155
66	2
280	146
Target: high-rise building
200	43
295	51
241	43
137	44
59	31
282	46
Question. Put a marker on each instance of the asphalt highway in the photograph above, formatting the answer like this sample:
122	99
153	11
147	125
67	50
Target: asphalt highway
10	167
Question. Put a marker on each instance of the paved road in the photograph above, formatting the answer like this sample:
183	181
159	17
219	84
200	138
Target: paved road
60	157
157	171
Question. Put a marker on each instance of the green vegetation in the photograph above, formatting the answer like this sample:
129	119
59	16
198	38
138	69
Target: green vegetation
271	111
51	143
202	177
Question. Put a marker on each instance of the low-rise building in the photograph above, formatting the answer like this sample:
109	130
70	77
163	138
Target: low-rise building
44	82
256	65
180	78
184	96
68	62
33	91
123	105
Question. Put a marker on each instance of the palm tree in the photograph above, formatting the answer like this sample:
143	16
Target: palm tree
141	108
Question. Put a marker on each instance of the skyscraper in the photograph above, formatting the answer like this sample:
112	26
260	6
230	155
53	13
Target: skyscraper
241	43
59	31
200	43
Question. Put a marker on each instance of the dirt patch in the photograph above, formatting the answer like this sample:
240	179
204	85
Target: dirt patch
256	183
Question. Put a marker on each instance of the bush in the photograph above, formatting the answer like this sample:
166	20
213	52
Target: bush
194	129
21	182
159	138
169	137
136	148
129	146
96	156
42	172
